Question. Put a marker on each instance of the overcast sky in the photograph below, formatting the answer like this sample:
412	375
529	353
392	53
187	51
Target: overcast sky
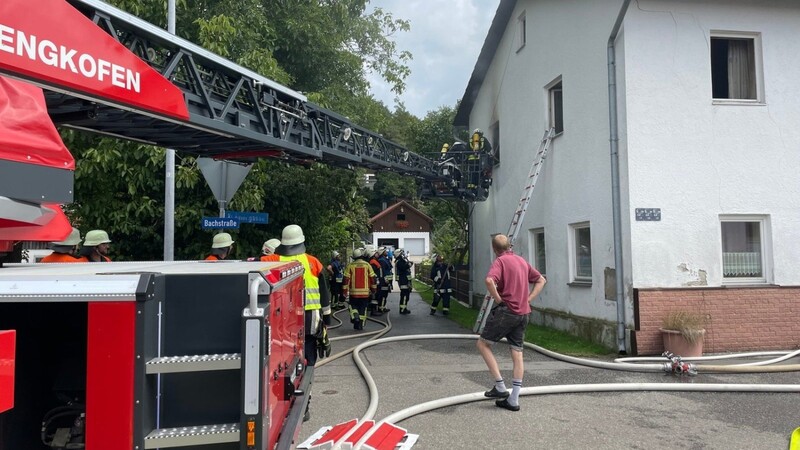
446	37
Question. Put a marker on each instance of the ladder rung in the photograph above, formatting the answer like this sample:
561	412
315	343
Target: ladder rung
189	436
194	363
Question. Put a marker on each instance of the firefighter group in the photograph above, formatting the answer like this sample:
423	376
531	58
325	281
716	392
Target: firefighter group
362	285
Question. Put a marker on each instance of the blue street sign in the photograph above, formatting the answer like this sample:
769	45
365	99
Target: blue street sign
248	217
210	223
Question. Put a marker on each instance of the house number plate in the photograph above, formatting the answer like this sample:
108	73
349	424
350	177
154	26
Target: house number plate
648	214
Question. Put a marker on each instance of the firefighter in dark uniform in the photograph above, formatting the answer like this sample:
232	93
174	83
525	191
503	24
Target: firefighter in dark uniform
440	274
402	267
388	278
371	255
336	273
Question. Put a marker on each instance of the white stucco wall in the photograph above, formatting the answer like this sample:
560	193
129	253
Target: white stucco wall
566	39
697	160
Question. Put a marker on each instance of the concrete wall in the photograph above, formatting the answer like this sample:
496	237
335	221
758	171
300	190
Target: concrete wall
697	159
565	39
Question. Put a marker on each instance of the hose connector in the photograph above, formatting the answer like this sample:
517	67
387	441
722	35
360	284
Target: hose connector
678	366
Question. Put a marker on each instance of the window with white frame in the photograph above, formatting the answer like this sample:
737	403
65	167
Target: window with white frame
539	256
744	248
555	106
735	66
522	26
580	244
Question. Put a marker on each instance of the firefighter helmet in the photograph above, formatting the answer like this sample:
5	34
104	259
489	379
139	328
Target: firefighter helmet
74	238
292	235
381	250
222	240
369	250
270	246
95	238
334	254
358	253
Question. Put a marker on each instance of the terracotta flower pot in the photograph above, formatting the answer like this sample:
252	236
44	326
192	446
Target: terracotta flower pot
677	344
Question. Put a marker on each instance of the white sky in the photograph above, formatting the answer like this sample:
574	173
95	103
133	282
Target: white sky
445	39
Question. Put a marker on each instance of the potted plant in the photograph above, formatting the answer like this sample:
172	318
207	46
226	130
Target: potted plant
683	333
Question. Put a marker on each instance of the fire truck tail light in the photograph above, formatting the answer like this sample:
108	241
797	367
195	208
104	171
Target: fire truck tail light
280	273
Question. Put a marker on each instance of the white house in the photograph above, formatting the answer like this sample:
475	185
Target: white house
708	123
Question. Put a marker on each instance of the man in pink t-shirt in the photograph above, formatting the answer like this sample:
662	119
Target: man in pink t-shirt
508	282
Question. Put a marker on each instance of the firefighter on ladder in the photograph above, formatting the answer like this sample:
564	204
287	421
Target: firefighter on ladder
403	268
359	284
440	274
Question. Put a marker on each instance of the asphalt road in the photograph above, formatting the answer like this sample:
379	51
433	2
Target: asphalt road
412	372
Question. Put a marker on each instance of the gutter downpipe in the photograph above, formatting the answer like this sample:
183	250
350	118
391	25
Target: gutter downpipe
615	189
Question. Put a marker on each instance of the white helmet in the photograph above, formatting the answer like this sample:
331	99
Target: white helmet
74	238
399	252
292	235
269	247
369	250
334	254
95	238
358	253
222	240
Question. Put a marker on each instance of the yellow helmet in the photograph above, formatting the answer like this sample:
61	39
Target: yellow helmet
74	238
95	238
222	240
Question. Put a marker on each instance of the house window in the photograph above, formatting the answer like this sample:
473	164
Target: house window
522	25
581	253
555	107
735	67
539	253
744	249
494	133
401	217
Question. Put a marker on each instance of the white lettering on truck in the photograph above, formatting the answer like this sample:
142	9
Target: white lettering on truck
29	46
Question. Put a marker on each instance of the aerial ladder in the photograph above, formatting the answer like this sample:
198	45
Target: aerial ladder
519	215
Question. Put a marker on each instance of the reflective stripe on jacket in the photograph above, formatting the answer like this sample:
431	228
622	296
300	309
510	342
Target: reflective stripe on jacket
359	279
310	277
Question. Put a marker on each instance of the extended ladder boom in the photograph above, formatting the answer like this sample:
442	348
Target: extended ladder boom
519	215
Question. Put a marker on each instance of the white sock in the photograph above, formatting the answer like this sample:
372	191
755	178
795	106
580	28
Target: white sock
500	385
513	400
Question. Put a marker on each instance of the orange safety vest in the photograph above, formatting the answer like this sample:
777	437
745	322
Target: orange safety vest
86	259
60	258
